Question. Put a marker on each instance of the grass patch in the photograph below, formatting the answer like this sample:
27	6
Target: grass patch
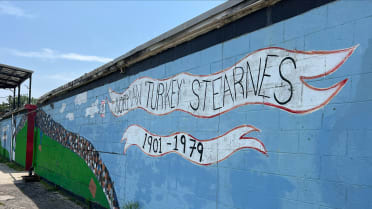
3	160
48	187
2	203
132	205
15	166
54	188
10	164
84	204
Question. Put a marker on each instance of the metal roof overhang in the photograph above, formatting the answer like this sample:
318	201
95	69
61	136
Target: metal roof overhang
12	77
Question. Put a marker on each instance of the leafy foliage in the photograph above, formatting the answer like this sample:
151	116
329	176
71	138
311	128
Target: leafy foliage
132	205
8	105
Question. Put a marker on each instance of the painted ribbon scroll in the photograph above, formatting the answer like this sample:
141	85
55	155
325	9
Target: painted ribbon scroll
201	152
270	76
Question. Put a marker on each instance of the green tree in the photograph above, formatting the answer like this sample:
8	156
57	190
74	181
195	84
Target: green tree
8	105
23	100
4	107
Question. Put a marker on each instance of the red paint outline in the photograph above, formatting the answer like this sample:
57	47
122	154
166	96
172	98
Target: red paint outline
338	86
206	140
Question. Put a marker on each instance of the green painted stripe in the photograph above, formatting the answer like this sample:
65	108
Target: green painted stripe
21	142
65	168
4	152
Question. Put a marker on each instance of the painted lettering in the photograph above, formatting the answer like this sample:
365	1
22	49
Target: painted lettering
273	76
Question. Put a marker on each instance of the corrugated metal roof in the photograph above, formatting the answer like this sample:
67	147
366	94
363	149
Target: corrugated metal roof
11	77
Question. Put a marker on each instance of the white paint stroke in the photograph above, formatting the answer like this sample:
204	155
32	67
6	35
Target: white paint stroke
5	132
201	152
47	53
92	110
70	116
63	106
270	76
81	98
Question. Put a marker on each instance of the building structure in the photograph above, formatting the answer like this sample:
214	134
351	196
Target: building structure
253	104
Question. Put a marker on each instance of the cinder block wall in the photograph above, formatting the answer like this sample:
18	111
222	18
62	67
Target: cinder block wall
5	138
6	131
320	159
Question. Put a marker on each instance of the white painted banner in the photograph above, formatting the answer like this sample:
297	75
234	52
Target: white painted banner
201	152
270	76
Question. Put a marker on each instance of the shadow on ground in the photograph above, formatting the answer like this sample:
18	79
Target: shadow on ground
15	193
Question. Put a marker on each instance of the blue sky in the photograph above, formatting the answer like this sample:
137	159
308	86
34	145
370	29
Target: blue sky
61	40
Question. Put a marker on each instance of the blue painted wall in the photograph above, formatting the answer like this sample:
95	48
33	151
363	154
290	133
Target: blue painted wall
5	135
6	132
318	160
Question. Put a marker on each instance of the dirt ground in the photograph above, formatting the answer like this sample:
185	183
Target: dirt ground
15	193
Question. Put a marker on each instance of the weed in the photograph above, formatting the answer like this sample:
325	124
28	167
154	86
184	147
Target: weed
131	205
15	166
48	187
10	164
51	188
3	160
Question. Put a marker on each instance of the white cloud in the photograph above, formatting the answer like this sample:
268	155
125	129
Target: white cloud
74	56
63	77
44	53
7	8
51	54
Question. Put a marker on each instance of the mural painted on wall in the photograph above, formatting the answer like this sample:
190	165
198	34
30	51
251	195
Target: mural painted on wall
270	76
4	142
201	152
21	124
102	109
8	131
4	134
81	147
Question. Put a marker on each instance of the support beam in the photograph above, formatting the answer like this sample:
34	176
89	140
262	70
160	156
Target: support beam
19	97
10	81
3	86
29	90
17	76
14	95
10	102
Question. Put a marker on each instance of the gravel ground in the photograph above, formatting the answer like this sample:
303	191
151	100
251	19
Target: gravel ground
15	193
